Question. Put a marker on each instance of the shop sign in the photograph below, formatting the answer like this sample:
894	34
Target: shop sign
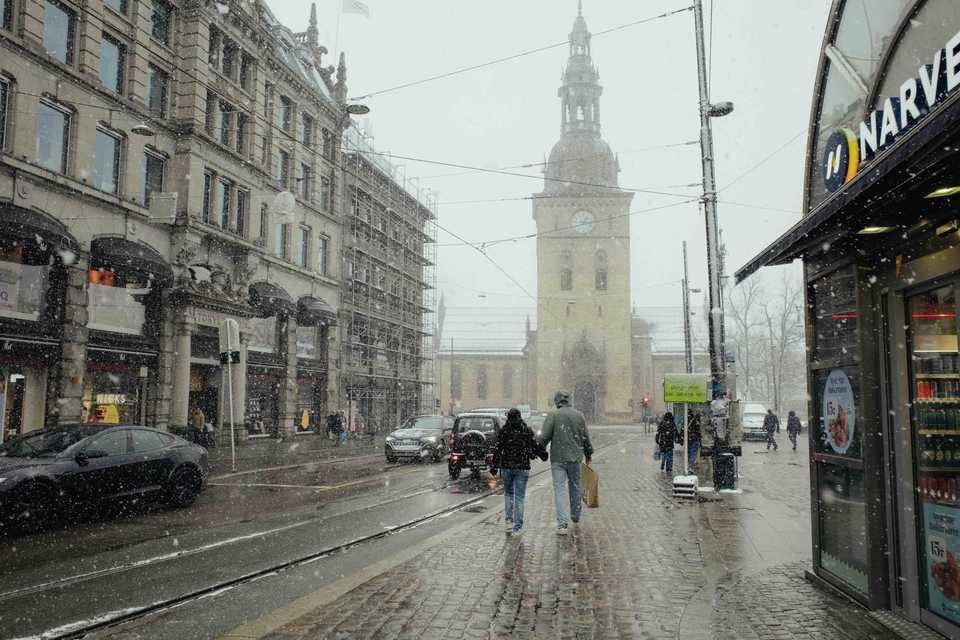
942	527
686	387
839	412
847	150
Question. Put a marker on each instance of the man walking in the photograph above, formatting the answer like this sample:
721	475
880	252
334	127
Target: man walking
793	428
666	436
565	430
771	425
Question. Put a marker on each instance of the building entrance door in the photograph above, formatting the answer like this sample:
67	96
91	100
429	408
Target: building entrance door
585	399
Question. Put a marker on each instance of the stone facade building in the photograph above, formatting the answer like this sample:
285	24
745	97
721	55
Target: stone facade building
143	145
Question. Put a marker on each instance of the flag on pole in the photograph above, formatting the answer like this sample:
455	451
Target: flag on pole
355	6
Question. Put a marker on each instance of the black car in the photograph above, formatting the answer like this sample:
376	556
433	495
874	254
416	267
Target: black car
46	474
473	443
419	438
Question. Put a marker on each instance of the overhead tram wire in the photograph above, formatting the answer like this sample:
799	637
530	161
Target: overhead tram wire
514	56
762	162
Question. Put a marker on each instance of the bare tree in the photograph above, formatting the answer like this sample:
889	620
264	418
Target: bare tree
783	317
744	325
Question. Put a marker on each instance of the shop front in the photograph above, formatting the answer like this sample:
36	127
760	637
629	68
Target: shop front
314	319
267	358
880	244
124	287
35	250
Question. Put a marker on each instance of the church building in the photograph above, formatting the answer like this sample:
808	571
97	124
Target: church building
582	342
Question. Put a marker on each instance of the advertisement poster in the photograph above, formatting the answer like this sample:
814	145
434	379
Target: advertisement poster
838	417
942	529
686	387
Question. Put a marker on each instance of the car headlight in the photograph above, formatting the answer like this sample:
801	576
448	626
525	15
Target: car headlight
391	439
2	480
431	439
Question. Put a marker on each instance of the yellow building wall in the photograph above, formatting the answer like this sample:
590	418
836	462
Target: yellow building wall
497	395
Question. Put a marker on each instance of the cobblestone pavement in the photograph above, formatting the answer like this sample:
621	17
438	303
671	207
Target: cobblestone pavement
634	569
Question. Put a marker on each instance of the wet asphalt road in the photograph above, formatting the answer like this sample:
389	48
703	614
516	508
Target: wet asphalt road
62	579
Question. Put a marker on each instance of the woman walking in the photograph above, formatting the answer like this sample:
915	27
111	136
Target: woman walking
516	445
666	436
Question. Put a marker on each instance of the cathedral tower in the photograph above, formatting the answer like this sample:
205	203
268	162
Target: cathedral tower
583	255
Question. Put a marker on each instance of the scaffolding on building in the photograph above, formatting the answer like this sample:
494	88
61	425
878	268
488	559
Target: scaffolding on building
388	300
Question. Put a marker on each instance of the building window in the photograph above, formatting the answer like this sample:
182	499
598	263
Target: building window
4	100
226	201
53	136
507	381
328	145
106	169
58	31
456	382
120	6
285	113
6	14
157	89
326	194
161	21
566	279
246	71
601	279
213	47
303	182
264	224
243	211
283	168
112	60
154	166
303	245
207	195
243	123
322	249
482	382
306	130
280	240
229	59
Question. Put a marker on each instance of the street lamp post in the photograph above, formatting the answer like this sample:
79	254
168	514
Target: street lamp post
708	111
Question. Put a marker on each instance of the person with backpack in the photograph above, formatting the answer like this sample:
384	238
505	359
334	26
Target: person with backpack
771	424
665	438
516	445
793	428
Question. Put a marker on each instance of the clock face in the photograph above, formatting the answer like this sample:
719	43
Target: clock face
583	222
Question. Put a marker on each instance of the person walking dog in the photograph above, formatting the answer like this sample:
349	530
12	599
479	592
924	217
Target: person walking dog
565	430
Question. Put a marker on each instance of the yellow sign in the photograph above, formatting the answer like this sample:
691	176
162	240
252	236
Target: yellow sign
686	387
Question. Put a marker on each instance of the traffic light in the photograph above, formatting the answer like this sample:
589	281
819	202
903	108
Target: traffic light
645	401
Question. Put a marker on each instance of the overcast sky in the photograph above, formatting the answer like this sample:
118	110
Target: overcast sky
764	60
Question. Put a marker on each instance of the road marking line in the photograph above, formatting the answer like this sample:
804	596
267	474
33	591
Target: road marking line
294	466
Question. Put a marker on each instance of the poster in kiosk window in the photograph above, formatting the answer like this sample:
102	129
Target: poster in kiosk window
942	528
838	433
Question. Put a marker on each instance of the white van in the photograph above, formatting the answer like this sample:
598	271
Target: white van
753	415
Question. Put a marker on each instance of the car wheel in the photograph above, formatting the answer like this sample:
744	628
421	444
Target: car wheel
32	509
184	488
454	471
439	454
391	459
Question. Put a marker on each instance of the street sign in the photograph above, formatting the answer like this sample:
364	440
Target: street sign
686	387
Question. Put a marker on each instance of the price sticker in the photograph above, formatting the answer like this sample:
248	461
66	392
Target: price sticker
937	548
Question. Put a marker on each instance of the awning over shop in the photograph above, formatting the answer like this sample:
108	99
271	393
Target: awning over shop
29	226
313	312
121	254
269	299
911	163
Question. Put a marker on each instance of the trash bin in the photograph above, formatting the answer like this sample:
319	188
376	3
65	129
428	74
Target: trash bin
725	472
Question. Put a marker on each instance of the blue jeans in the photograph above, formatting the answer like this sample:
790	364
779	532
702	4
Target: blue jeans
666	459
692	449
566	491
514	490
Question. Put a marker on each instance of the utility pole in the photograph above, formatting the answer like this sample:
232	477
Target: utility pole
687	347
707	110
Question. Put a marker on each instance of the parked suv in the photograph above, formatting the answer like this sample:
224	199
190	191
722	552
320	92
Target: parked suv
419	438
473	443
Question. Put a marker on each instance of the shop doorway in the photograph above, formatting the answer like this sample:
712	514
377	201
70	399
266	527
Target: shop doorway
205	392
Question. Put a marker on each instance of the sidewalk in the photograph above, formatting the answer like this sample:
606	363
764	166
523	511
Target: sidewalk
260	453
640	566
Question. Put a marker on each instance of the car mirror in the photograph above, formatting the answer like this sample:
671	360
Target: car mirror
90	454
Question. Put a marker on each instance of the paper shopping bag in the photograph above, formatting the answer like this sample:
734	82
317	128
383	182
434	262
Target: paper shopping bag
591	486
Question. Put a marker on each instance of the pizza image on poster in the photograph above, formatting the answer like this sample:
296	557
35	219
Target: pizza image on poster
839	412
942	528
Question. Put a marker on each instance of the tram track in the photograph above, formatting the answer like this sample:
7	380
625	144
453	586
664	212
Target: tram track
100	621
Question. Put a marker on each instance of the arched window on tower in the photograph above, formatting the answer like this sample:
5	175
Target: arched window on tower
600	266
601	279
482	382
507	381
566	279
